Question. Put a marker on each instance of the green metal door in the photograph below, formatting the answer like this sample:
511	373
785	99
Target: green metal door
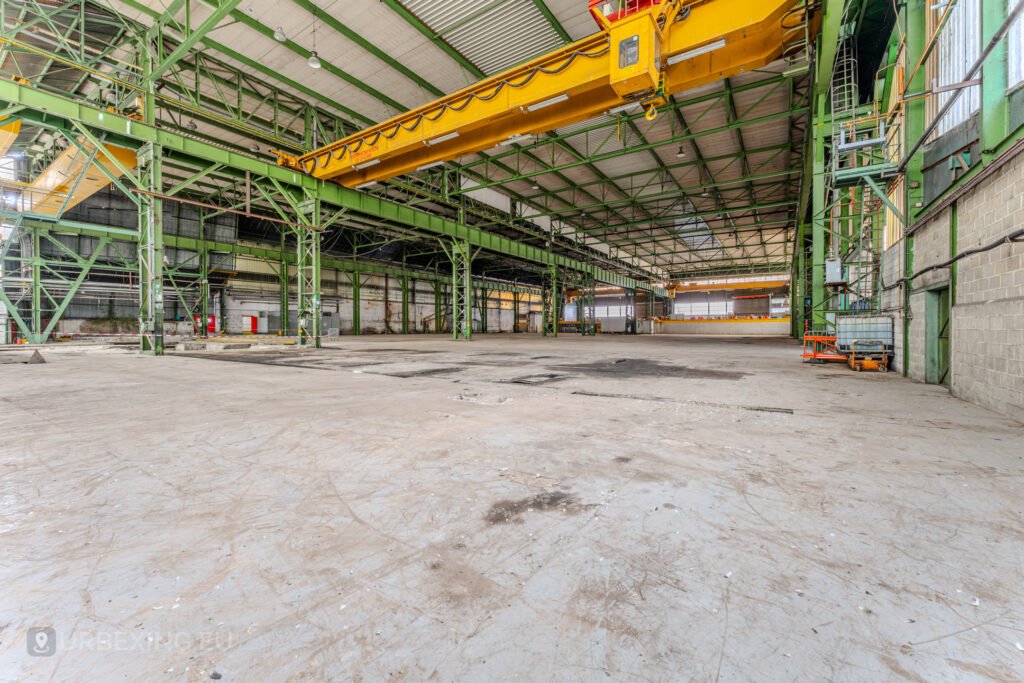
943	337
937	332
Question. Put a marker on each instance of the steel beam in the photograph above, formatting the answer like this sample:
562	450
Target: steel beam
193	36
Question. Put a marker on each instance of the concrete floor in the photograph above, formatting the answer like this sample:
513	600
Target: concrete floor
620	508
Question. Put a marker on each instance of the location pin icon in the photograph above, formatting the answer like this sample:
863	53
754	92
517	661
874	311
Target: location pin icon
42	637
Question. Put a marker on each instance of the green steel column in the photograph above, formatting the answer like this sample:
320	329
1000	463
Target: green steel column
545	305
462	290
151	254
309	117
484	300
994	103
818	217
36	336
633	303
798	284
308	272
355	278
953	272
204	278
151	233
437	307
913	129
149	38
405	304
283	276
549	319
585	306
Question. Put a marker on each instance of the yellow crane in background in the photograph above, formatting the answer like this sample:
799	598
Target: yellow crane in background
646	50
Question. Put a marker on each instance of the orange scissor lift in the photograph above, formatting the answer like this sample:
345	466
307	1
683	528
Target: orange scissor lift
820	346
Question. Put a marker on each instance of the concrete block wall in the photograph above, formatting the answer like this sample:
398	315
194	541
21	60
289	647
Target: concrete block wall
892	300
987	317
987	352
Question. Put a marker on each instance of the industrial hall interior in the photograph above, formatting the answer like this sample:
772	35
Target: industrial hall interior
541	340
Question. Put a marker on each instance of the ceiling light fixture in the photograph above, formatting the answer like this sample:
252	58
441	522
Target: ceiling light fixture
681	154
443	138
255	147
191	125
548	103
623	109
535	186
313	61
279	35
516	139
696	52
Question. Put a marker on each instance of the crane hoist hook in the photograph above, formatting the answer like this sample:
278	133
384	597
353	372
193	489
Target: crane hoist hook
651	113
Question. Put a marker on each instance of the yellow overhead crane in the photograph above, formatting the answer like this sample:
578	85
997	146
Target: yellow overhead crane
73	177
9	132
646	51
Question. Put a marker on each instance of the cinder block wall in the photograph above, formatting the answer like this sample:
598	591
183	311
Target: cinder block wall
892	300
987	320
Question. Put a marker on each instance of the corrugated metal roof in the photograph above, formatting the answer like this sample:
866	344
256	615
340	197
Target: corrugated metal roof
492	35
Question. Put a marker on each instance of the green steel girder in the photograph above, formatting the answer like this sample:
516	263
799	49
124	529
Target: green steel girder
712	99
260	68
722	271
553	21
484	179
221	9
33	329
832	20
196	106
692	214
246	20
280	255
331	21
782	226
650	172
654	200
674	140
510	224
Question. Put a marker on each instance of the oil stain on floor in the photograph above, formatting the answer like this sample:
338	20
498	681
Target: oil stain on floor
510	511
642	367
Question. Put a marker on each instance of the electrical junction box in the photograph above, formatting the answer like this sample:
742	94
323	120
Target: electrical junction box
834	272
635	56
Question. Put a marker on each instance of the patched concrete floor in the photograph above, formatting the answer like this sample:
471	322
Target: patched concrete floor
410	508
